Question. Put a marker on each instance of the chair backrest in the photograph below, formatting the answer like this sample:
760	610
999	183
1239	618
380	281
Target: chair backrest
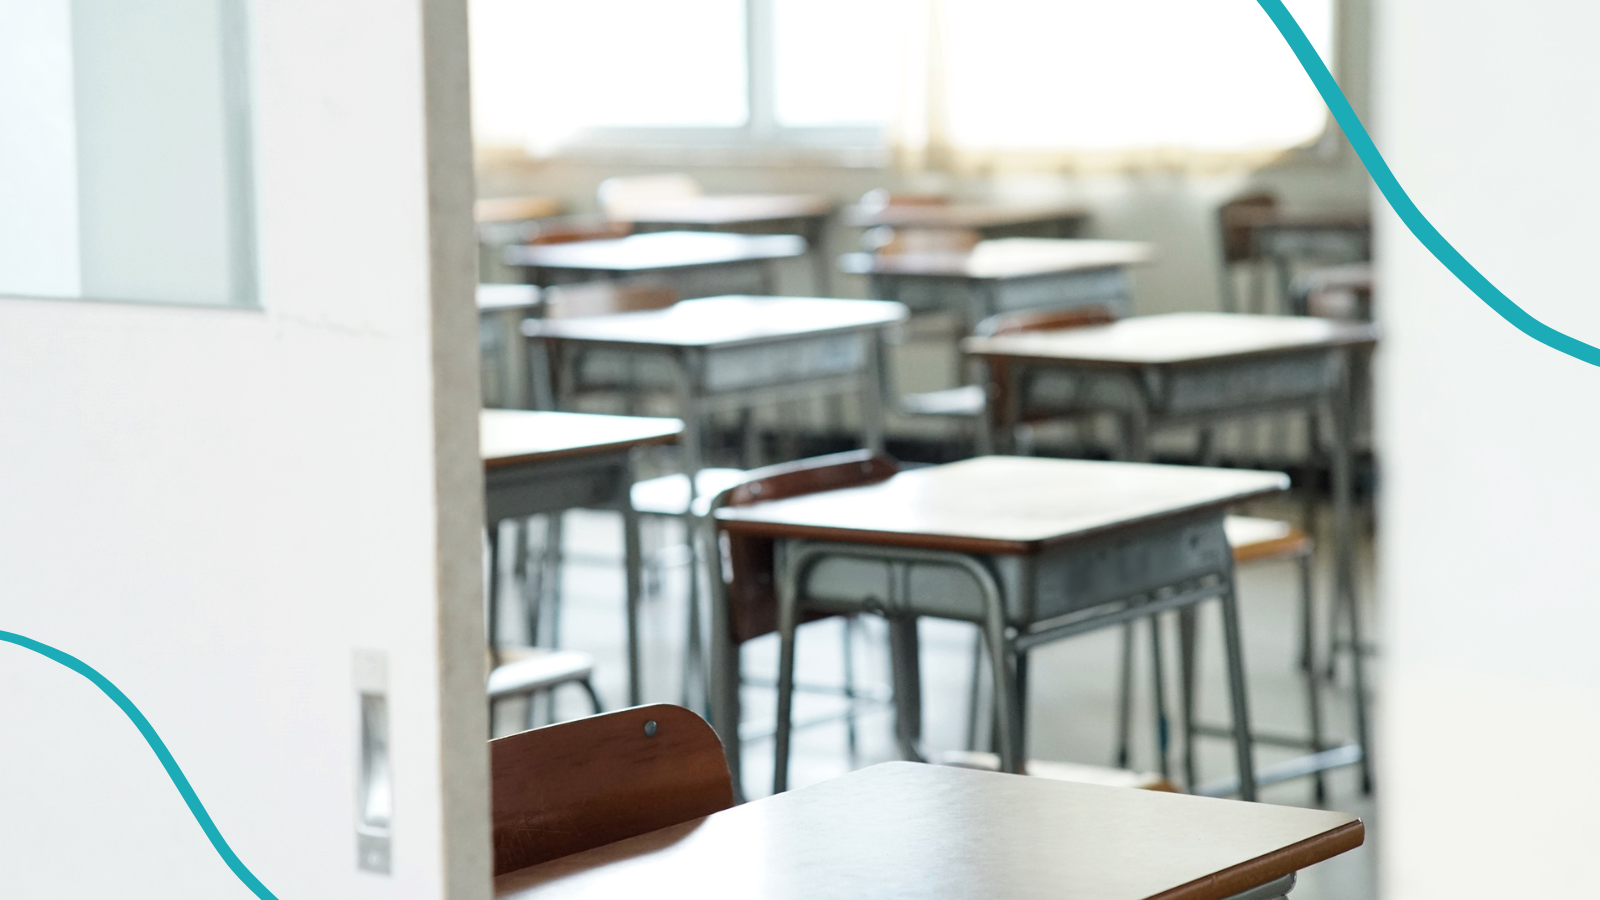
515	209
604	298
622	196
1237	219
882	198
566	788
1044	320
750	569
570	231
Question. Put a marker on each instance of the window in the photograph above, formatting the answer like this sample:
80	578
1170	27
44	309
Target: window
125	151
989	76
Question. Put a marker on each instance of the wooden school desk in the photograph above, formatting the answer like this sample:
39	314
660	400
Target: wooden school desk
1195	368
992	220
503	354
549	462
696	263
906	830
1031	550
733	352
1281	238
804	214
1005	276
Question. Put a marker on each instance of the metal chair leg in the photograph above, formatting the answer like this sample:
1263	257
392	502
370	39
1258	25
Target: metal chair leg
594	696
1313	689
788	616
631	563
847	627
552	571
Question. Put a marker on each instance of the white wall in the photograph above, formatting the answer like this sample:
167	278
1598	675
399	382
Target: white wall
1489	519
215	508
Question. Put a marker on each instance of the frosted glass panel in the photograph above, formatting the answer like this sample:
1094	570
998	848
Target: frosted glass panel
124	156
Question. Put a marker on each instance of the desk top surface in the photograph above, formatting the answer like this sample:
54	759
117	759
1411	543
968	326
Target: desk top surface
731	209
509	437
723	321
1004	258
659	250
508	296
1009	505
1176	339
959	215
905	830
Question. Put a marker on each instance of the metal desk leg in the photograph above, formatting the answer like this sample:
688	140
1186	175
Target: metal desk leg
1308	670
634	564
686	369
723	678
873	384
1125	699
1344	542
1188	626
492	602
551	567
1238	695
788	618
816	233
1158	679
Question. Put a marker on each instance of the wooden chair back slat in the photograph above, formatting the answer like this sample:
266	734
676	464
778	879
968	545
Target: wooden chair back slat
1238	218
604	298
752	587
566	788
1044	320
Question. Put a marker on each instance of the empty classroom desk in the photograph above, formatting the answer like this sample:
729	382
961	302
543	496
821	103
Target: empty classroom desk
695	263
1031	550
503	355
991	220
901	830
1005	276
735	352
549	462
1282	238
804	214
1196	368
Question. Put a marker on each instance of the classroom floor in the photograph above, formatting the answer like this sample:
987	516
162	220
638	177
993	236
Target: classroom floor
1072	713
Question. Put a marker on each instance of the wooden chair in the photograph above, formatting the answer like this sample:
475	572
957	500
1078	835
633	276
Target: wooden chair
567	788
744	602
621	197
1236	226
971	402
1335	292
571	231
514	209
528	671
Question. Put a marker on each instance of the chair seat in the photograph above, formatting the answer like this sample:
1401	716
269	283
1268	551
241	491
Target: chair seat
966	401
1252	538
537	669
668	495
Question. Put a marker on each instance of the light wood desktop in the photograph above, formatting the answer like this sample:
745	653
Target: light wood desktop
903	830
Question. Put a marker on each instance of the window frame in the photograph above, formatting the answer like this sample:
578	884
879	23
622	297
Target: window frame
761	130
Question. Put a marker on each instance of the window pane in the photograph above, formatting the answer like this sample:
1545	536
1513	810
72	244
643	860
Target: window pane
124	151
839	62
544	69
1092	75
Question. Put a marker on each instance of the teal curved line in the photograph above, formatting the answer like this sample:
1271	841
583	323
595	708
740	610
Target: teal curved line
161	751
1401	202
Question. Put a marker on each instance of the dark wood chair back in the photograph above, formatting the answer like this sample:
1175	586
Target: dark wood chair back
604	298
749	576
1044	320
566	788
1237	219
570	232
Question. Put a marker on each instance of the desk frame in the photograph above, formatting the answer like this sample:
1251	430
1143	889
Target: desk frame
551	486
1315	379
1184	562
